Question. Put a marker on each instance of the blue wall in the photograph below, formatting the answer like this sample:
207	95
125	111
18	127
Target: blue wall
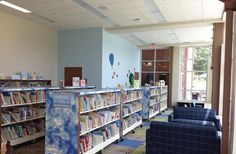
81	48
125	53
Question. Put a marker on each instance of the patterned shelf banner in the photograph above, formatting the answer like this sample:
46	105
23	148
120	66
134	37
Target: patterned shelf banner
61	123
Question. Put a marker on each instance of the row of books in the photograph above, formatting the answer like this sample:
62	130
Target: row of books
130	120
25	84
154	109
10	98
131	107
89	141
21	130
96	119
22	113
154	91
164	90
153	101
132	95
163	97
96	101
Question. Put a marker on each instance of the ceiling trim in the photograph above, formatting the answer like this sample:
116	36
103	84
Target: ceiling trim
161	26
189	44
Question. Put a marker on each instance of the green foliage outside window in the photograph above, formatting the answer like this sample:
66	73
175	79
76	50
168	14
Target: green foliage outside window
201	55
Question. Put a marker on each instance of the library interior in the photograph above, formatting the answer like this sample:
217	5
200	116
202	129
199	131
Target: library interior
118	76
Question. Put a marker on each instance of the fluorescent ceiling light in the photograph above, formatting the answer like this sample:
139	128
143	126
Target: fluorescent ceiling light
14	6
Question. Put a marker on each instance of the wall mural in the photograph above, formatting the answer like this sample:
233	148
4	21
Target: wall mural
115	75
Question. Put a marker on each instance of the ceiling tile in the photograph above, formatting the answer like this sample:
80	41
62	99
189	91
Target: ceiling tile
70	15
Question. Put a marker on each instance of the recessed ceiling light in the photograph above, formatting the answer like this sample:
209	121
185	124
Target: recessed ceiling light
102	7
14	6
137	19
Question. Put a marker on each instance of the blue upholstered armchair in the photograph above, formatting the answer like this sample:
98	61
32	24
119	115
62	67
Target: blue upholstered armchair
181	138
192	115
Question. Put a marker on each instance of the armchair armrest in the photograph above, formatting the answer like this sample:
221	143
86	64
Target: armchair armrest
218	123
171	117
218	142
148	144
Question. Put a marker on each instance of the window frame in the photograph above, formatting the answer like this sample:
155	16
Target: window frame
184	70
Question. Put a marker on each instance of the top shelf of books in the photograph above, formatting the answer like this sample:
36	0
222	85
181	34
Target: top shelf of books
24	83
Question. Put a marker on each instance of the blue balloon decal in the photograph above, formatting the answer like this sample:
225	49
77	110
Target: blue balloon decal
111	59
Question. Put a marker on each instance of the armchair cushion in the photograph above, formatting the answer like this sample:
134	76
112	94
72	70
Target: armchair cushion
181	138
201	114
194	113
195	122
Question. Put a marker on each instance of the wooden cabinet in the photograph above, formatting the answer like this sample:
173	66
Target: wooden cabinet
157	65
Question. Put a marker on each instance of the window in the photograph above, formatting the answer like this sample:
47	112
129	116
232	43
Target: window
194	62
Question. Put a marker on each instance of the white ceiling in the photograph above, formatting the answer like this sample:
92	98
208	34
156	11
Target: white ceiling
74	14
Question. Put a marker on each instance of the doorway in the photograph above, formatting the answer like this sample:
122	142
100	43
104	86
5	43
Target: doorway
70	72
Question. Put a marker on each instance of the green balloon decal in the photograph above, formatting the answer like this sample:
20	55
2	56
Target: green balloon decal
131	80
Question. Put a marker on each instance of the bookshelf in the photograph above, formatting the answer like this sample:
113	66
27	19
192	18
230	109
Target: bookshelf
163	98
23	112
131	110
88	121
151	102
24	83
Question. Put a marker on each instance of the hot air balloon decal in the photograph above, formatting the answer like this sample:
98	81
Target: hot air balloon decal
131	80
111	59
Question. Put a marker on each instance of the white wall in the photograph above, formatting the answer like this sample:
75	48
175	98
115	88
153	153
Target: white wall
27	46
125	53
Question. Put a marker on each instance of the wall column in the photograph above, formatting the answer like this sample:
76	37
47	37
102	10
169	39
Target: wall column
227	81
218	34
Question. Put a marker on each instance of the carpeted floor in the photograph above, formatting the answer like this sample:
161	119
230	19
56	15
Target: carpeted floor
133	143
139	135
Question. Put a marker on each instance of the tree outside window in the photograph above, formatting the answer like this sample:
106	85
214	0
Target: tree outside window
193	76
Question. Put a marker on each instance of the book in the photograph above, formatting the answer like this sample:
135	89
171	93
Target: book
6	117
96	122
7	98
97	137
85	123
16	97
82	83
76	81
40	96
6	133
86	142
33	96
2	100
3	137
25	97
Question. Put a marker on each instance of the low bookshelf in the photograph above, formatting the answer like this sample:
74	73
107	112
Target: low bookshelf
151	102
88	121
